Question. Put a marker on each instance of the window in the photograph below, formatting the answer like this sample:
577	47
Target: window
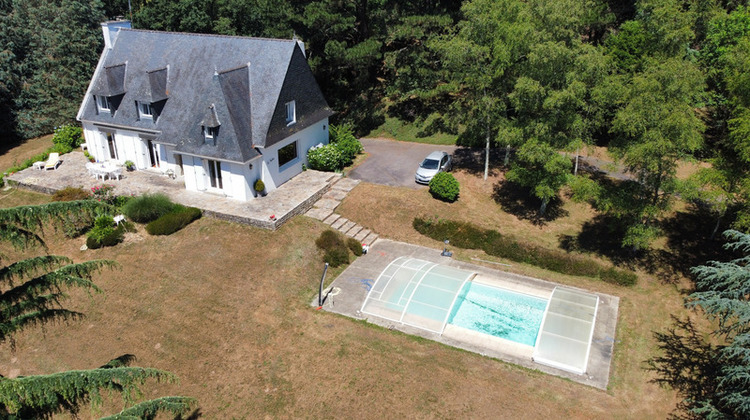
291	113
210	134
287	153
112	145
145	110
214	173
105	105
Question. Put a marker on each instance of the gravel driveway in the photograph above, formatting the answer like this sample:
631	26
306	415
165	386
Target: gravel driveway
392	162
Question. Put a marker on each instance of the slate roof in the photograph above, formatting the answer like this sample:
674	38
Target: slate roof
240	83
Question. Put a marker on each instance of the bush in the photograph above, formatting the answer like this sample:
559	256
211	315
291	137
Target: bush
342	137
71	194
444	186
259	186
104	233
174	221
354	246
325	158
110	238
336	257
466	235
329	239
148	207
67	137
336	250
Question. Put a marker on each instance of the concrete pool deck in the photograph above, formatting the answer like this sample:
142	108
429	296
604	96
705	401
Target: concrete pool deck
351	287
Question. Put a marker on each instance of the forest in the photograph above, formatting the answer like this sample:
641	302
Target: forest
655	82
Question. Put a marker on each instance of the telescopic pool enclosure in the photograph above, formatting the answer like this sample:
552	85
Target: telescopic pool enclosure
417	293
422	294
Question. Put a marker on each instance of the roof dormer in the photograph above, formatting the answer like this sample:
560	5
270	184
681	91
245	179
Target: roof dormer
210	125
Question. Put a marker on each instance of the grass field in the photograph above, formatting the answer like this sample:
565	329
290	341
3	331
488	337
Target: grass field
226	308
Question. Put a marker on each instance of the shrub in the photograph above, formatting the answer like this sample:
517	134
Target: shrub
259	185
329	239
354	246
336	249
342	137
148	207
325	158
104	233
466	235
444	186
336	257
111	237
67	137
174	221
621	277
71	194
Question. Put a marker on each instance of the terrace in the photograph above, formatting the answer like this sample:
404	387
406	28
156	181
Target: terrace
292	198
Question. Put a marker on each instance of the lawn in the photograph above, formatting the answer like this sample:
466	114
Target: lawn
226	308
396	129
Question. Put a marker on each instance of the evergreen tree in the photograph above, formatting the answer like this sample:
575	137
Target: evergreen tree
714	380
32	292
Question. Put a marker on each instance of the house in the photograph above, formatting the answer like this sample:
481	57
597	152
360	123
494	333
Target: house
219	112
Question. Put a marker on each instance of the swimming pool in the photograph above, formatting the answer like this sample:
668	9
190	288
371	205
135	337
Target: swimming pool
498	312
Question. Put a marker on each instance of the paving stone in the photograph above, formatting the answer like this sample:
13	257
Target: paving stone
340	222
370	239
345	184
353	231
331	219
327	203
346	226
362	234
335	194
318	213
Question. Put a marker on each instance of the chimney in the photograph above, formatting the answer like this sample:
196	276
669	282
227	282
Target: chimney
110	30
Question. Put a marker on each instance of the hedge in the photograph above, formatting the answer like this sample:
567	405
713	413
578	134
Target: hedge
174	221
468	236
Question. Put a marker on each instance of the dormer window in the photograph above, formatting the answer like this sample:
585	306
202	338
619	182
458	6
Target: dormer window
104	103
145	110
291	113
210	133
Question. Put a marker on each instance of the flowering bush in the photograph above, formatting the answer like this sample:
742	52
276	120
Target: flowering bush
104	193
325	158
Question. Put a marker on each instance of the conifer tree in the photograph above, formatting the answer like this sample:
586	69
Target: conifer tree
32	292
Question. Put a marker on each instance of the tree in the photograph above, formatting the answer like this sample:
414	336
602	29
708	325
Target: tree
541	168
482	60
656	128
714	380
32	292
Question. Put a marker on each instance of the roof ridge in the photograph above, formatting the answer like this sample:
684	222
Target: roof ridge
209	35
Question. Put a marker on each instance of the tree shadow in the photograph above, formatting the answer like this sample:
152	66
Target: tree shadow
689	239
471	160
688	244
519	201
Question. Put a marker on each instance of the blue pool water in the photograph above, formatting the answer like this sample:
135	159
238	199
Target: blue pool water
498	312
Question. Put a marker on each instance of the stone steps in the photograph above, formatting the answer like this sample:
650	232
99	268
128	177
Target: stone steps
325	211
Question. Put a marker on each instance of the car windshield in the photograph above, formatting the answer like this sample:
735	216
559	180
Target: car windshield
430	164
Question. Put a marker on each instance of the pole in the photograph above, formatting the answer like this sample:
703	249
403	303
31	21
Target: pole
320	289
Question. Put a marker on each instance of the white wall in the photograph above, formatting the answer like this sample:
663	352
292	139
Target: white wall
273	176
237	179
